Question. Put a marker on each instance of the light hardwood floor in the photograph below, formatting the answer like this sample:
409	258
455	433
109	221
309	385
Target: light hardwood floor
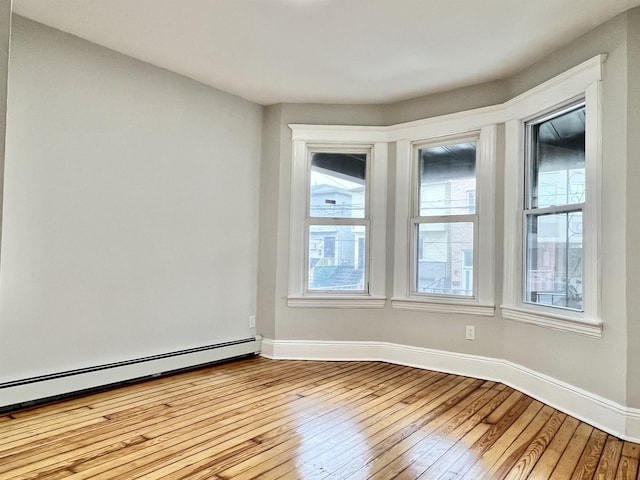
268	419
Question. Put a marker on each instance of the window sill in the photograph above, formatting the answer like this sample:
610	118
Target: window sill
563	323
335	301
468	308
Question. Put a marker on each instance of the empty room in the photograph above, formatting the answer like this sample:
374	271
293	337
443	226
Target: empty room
319	239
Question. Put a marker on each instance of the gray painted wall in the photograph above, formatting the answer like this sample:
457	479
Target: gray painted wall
457	100
633	205
269	214
5	36
131	208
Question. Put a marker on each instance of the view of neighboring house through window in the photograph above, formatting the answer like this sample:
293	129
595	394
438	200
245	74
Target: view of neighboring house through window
553	208
337	222
445	220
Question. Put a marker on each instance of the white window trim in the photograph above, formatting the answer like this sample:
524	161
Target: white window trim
305	137
582	81
464	126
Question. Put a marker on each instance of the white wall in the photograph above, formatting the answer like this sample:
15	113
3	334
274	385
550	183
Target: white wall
131	209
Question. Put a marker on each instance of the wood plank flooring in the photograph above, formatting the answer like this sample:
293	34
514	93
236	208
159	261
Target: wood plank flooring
268	419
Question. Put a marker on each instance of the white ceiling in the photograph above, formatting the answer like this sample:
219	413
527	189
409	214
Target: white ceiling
330	51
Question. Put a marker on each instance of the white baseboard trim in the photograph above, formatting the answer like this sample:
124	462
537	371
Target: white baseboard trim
602	413
28	391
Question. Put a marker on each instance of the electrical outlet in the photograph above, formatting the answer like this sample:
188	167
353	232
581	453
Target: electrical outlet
252	321
470	332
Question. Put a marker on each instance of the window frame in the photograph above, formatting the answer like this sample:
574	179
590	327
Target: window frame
337	138
364	221
582	83
417	219
535	211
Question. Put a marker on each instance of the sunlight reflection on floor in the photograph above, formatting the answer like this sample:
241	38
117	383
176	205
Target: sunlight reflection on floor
325	439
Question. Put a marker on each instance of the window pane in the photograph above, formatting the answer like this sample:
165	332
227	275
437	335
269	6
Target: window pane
554	260
338	185
447	179
557	160
444	263
337	257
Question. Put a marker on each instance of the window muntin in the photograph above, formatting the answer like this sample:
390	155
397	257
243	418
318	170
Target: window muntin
553	209
445	220
337	222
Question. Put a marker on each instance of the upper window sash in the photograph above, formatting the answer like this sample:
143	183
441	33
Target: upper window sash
555	158
338	183
444	175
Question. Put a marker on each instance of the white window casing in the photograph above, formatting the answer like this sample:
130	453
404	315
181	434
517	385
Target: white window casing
311	138
582	82
471	126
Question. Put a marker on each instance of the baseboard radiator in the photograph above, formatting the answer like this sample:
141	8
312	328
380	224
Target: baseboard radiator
27	392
